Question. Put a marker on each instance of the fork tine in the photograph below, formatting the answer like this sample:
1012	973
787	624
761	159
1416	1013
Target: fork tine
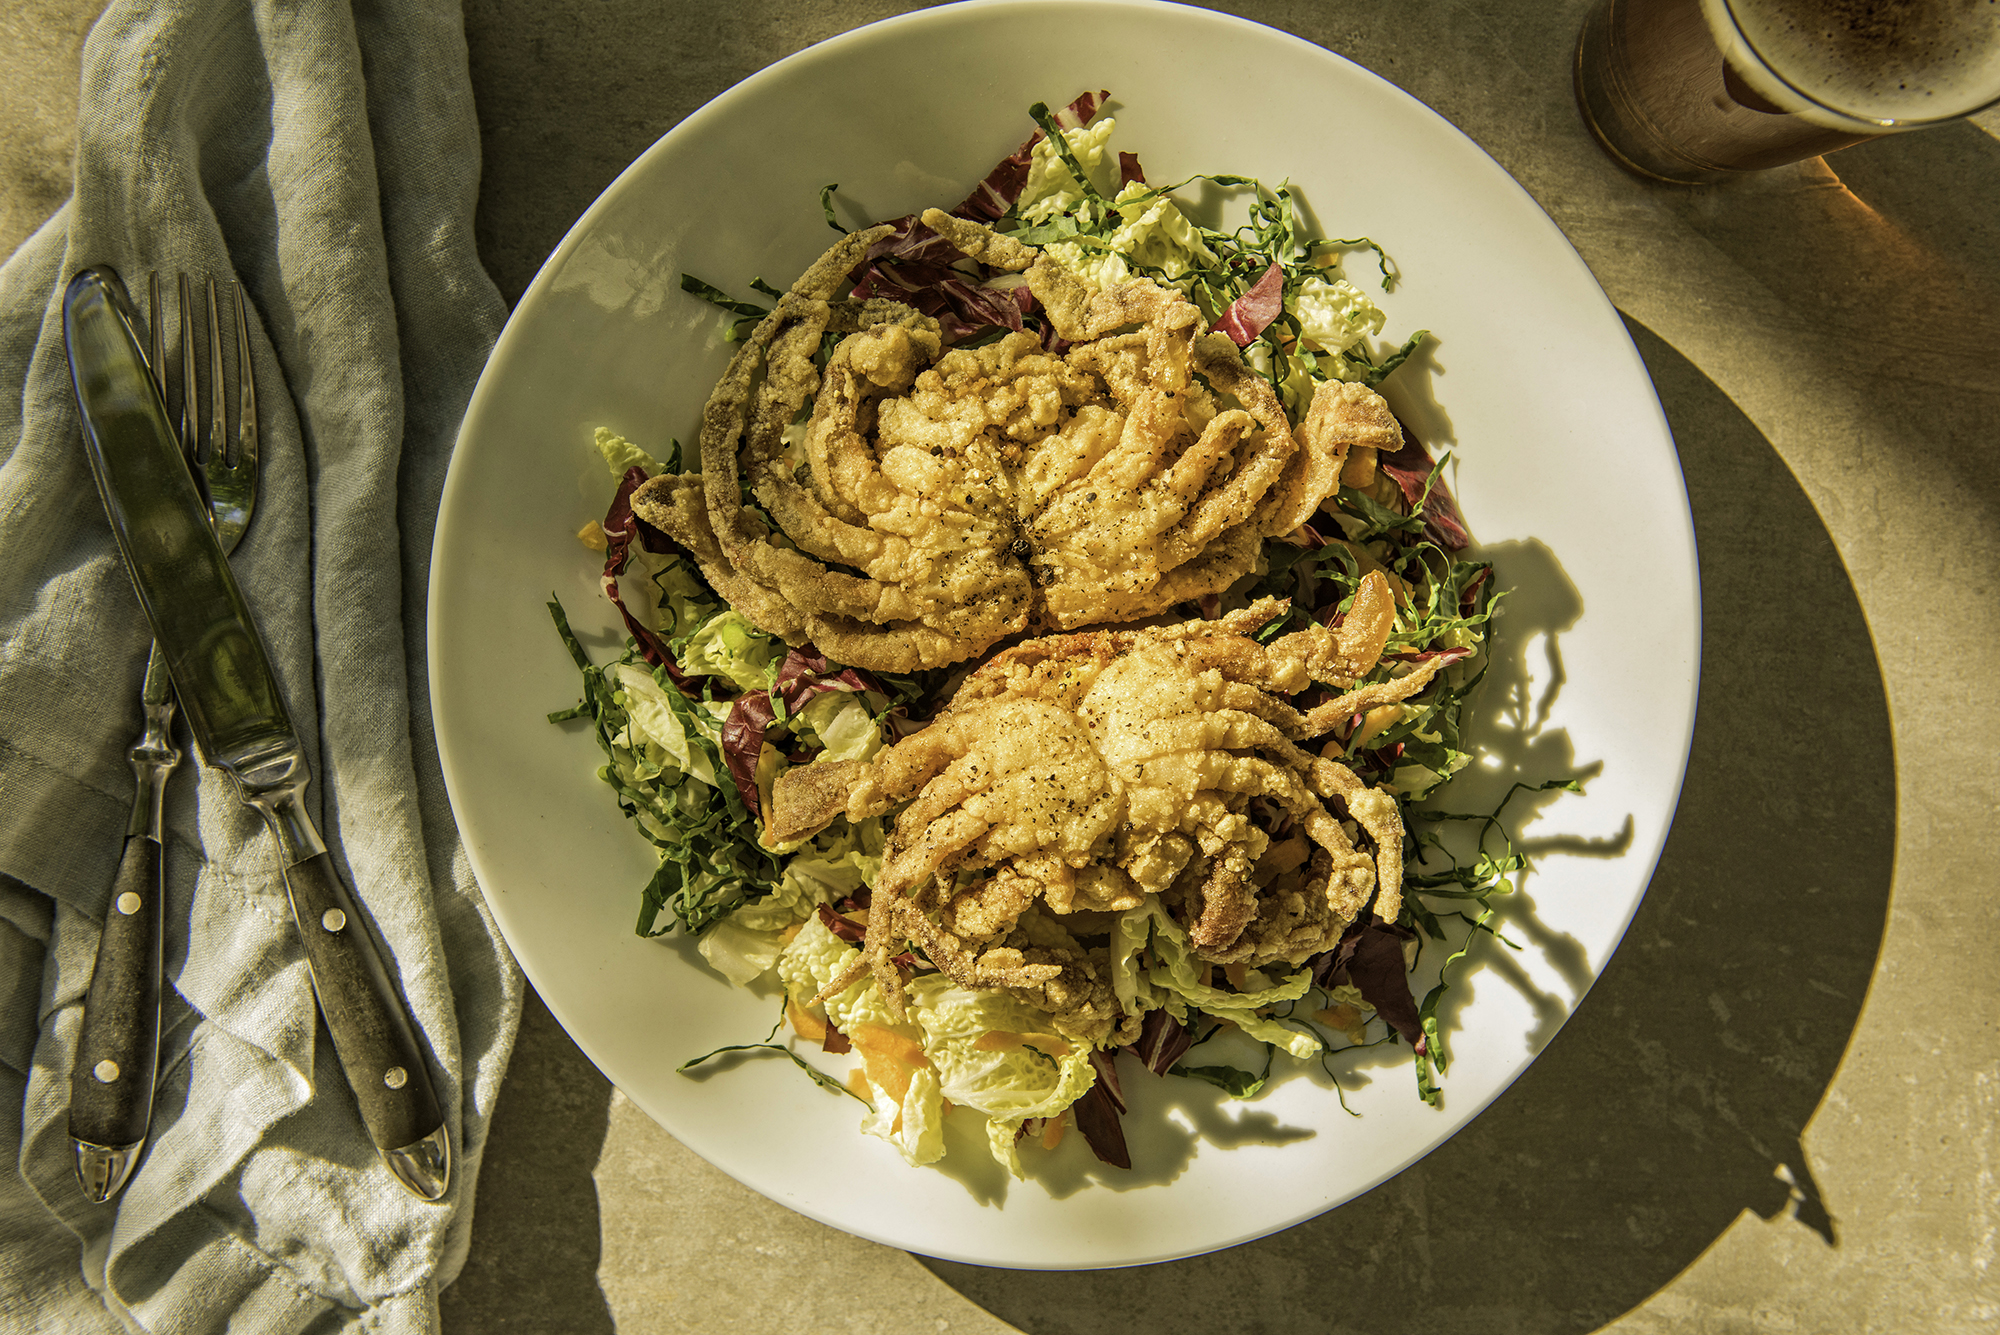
217	446
189	393
229	475
246	375
156	346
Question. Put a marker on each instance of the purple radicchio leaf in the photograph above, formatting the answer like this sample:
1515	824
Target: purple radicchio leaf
916	266
621	528
1097	1112
753	718
919	268
750	720
1251	314
1163	1040
1003	185
1412	469
841	927
1370	956
1468	597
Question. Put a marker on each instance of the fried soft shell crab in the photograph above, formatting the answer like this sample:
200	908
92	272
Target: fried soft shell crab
938	501
1073	776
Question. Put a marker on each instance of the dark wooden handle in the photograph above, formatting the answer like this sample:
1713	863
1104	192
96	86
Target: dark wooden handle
118	1052
364	1012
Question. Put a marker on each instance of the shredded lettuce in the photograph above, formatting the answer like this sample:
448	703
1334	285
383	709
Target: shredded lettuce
739	953
839	862
1055	183
1152	237
676	736
1108	233
665	735
840	722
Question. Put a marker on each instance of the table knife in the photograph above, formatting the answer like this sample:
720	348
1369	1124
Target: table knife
230	698
118	1043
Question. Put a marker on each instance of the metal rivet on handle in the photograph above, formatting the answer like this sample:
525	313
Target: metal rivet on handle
395	1077
129	903
106	1071
333	920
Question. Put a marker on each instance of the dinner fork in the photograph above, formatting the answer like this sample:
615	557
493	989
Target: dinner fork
229	476
117	1061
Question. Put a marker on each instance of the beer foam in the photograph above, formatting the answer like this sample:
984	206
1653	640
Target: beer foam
1880	60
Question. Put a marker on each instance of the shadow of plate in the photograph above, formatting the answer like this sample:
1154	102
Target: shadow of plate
1673	1099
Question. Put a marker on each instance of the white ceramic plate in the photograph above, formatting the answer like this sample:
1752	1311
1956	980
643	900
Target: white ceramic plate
1566	471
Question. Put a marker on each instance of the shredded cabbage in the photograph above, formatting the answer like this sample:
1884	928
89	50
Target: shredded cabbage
621	454
730	645
1171	975
1052	187
1008	1082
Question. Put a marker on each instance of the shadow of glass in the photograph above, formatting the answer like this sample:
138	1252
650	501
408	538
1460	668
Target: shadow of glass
1412	392
1509	732
1905	256
1673	1099
536	1235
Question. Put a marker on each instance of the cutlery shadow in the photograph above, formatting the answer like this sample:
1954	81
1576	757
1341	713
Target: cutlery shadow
1673	1100
537	1235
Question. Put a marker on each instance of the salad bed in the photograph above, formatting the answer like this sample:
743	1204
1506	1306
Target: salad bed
704	711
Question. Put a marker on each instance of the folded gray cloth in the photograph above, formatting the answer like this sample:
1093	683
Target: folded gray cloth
327	157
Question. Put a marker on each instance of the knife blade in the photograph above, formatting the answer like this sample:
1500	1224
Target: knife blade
222	675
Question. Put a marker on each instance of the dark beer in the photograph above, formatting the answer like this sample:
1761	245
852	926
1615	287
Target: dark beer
1894	63
1702	90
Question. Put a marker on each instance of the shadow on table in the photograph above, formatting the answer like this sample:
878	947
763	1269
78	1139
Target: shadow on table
1673	1100
567	100
536	1235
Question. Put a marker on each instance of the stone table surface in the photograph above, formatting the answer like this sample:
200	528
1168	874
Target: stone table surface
1777	1109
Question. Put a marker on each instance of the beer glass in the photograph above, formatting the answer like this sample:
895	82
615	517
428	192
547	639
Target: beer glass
1694	91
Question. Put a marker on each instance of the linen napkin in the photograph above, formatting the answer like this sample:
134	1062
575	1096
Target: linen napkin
326	155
